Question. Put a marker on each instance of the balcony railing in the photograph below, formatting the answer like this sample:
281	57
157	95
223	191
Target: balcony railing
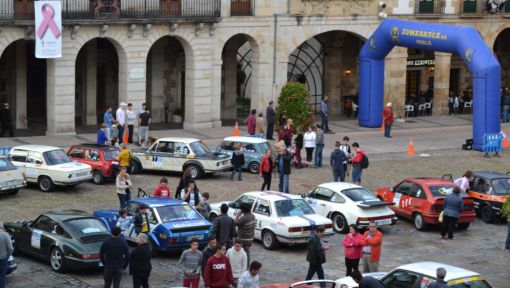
76	10
241	7
479	8
429	7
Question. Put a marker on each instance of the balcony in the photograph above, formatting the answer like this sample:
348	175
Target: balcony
241	7
479	8
429	8
78	11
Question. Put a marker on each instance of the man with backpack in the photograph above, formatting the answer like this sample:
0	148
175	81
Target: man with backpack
359	162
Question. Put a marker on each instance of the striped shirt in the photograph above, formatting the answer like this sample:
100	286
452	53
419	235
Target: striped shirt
319	137
190	263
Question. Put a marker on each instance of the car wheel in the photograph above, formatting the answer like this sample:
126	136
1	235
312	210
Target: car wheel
254	168
212	217
153	249
339	223
97	177
135	167
14	191
418	222
57	260
269	240
487	214
45	184
463	226
194	171
15	249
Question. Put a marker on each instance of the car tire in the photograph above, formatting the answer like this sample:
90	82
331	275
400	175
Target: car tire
463	226
419	222
194	171
14	191
212	217
487	214
97	177
153	249
254	167
136	167
15	249
45	184
340	224
57	260
269	240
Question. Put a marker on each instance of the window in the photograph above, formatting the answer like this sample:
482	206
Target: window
249	147
227	146
243	199
404	187
132	208
480	185
56	157
34	158
165	147
417	191
84	226
293	207
92	155
6	165
76	153
44	223
177	213
262	147
198	148
442	191
152	217
322	194
181	149
262	207
110	154
359	194
336	198
19	158
501	186
400	279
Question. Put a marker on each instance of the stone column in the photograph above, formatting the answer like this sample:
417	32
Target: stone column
21	85
441	83
260	85
132	76
225	8
158	82
91	88
61	95
332	79
229	109
216	108
395	71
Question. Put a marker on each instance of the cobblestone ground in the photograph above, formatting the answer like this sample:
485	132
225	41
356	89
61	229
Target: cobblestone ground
479	248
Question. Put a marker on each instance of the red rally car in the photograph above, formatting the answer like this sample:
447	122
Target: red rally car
421	200
100	157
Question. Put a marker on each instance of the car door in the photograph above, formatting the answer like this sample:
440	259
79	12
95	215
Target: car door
401	279
319	199
39	238
479	189
132	209
35	165
236	204
401	198
263	212
159	156
19	159
417	199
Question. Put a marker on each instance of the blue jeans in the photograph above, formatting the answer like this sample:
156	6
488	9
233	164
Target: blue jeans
506	113
507	244
318	155
339	173
324	124
237	170
3	270
387	130
121	133
284	183
356	175
123	199
312	269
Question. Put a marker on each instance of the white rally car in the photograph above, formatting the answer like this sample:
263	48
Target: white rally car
281	217
178	154
48	166
346	204
11	179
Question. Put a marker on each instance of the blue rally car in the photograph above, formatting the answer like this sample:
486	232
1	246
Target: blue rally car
173	223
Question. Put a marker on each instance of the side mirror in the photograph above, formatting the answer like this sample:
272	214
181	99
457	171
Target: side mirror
391	189
303	195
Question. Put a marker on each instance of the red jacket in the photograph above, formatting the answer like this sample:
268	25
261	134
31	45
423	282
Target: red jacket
265	165
251	123
388	115
218	272
375	243
162	192
359	155
352	246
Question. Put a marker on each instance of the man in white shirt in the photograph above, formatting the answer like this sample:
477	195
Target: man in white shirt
250	279
238	259
120	116
130	121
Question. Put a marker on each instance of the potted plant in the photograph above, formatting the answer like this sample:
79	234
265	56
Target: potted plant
177	117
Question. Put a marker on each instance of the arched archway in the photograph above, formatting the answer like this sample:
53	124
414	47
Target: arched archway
327	65
23	85
501	50
97	81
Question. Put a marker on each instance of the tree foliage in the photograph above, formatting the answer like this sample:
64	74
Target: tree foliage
293	104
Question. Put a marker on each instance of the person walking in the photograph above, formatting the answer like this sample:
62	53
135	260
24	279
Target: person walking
270	120
207	252
251	122
388	119
190	263
250	278
347	150
259	126
245	222
238	162
324	115
108	121
439	283
224	227
309	138
266	169
114	254
102	139
218	272
6	120
144	121
319	146
352	249
453	204
463	182
316	255
371	242
357	168
130	122
297	149
336	161
123	184
505	212
162	190
6	250
120	116
140	266
283	165
238	260
365	281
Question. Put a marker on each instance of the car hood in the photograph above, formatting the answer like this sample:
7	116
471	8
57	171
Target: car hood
73	166
178	226
215	156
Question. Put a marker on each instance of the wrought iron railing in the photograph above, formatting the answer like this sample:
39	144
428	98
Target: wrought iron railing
483	7
429	7
241	7
11	10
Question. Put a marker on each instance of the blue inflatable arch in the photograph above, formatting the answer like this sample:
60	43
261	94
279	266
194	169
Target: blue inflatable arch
463	40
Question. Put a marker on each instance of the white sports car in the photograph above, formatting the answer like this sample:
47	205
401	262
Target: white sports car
281	217
346	204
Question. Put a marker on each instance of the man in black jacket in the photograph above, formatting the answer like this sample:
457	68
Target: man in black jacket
237	161
114	255
6	120
270	119
439	283
208	251
140	262
337	160
366	281
316	256
224	228
283	167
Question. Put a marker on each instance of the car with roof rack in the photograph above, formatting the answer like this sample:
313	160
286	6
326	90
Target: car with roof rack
102	159
253	148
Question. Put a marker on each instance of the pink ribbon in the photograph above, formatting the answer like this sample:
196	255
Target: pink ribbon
48	22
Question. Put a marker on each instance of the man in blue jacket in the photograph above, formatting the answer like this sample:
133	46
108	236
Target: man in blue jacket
101	135
337	160
114	255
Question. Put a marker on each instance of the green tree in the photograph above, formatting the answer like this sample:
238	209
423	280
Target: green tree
293	103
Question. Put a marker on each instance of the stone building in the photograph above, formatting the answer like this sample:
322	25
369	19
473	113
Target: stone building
212	60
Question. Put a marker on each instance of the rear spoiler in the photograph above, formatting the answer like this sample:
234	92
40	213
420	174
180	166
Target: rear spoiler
373	204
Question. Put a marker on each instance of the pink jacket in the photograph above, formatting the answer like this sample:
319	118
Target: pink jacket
352	246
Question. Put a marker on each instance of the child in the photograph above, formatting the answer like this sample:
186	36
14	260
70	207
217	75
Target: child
162	190
205	210
124	221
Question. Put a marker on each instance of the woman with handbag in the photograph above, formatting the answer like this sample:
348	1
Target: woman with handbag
452	206
124	184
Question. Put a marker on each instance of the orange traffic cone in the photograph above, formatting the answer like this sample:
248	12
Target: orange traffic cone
382	126
505	141
410	148
236	129
125	137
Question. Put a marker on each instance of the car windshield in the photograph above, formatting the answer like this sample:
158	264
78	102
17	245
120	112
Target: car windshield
441	191
501	186
85	226
292	207
199	148
359	194
56	157
262	147
6	165
468	283
110	154
177	213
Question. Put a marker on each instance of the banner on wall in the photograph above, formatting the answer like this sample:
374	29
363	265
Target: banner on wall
48	29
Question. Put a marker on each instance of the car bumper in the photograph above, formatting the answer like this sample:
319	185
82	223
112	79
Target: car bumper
77	264
12	187
73	182
464	218
385	222
219	169
298	239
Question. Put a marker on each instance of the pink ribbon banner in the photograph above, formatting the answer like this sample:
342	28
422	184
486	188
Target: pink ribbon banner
48	29
48	23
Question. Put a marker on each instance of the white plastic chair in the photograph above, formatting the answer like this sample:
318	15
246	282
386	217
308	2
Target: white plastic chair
468	104
408	109
421	109
428	107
